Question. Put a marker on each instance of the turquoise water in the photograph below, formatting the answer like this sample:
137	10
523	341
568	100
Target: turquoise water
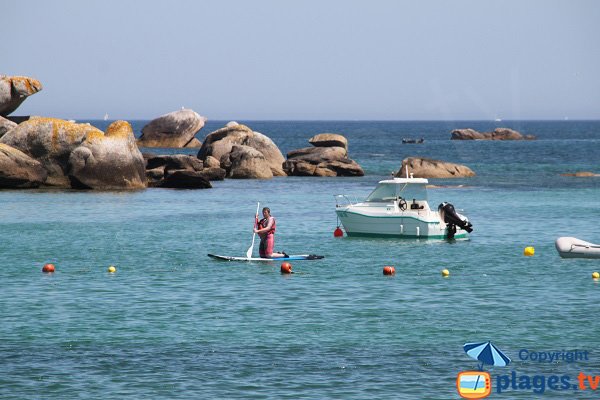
173	323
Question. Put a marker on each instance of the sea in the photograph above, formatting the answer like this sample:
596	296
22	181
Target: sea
172	323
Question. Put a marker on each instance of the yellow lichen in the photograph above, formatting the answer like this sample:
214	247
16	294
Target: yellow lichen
120	129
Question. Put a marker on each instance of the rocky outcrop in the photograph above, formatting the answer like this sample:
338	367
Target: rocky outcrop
14	90
18	170
108	160
329	140
184	179
161	171
245	162
176	129
219	144
428	168
328	158
49	141
5	126
497	134
581	174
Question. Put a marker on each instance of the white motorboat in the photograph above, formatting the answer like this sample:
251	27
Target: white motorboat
570	247
398	207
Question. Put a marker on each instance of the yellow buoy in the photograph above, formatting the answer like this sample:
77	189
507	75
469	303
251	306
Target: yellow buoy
445	273
112	269
595	275
529	251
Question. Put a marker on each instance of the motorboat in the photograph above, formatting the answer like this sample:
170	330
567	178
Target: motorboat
570	247
413	140
398	207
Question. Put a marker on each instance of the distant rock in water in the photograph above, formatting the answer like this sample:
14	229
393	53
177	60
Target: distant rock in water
220	145
329	157
429	168
14	90
497	134
329	140
176	129
581	174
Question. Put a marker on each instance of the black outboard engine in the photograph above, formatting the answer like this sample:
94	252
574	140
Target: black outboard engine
453	219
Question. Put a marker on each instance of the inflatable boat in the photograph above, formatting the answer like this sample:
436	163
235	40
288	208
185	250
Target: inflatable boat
570	247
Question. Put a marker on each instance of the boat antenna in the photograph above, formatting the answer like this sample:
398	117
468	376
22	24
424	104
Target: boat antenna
407	171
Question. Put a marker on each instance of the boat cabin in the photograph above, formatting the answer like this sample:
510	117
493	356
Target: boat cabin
407	193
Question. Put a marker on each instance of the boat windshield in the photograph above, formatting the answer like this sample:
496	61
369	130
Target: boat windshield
389	191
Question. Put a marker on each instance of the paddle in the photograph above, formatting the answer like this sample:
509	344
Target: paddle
249	252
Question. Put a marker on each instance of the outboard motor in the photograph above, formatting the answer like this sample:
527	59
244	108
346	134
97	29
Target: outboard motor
453	219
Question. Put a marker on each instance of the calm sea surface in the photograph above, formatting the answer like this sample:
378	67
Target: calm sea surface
172	323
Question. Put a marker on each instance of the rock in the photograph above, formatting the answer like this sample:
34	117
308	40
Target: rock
581	174
49	141
329	140
428	168
108	161
14	90
5	125
245	162
221	142
213	174
467	134
176	129
185	180
194	143
497	134
175	162
321	161
211	162
18	170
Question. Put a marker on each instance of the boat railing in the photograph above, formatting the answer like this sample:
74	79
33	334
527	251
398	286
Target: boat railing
343	200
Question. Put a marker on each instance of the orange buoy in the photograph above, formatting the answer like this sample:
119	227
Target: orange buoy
48	268
286	268
388	270
338	232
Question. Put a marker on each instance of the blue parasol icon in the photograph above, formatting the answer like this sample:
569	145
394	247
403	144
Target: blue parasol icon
486	353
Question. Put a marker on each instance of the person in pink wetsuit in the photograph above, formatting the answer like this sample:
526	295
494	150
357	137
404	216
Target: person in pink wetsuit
265	228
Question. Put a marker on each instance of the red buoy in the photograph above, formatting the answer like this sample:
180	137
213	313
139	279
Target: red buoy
338	232
387	270
48	268
286	268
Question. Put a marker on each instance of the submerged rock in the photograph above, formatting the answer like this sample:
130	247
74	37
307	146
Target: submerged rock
429	168
14	90
581	174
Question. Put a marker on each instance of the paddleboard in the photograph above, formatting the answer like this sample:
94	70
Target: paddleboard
295	257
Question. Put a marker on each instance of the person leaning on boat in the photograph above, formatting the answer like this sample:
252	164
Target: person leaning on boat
266	231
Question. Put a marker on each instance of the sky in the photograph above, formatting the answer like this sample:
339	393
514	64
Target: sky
306	59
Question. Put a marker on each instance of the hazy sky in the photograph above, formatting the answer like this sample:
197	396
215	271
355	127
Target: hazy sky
306	59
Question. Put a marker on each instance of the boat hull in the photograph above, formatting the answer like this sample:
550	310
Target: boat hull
570	247
396	226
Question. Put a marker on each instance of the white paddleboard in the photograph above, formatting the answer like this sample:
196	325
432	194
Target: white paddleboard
295	257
